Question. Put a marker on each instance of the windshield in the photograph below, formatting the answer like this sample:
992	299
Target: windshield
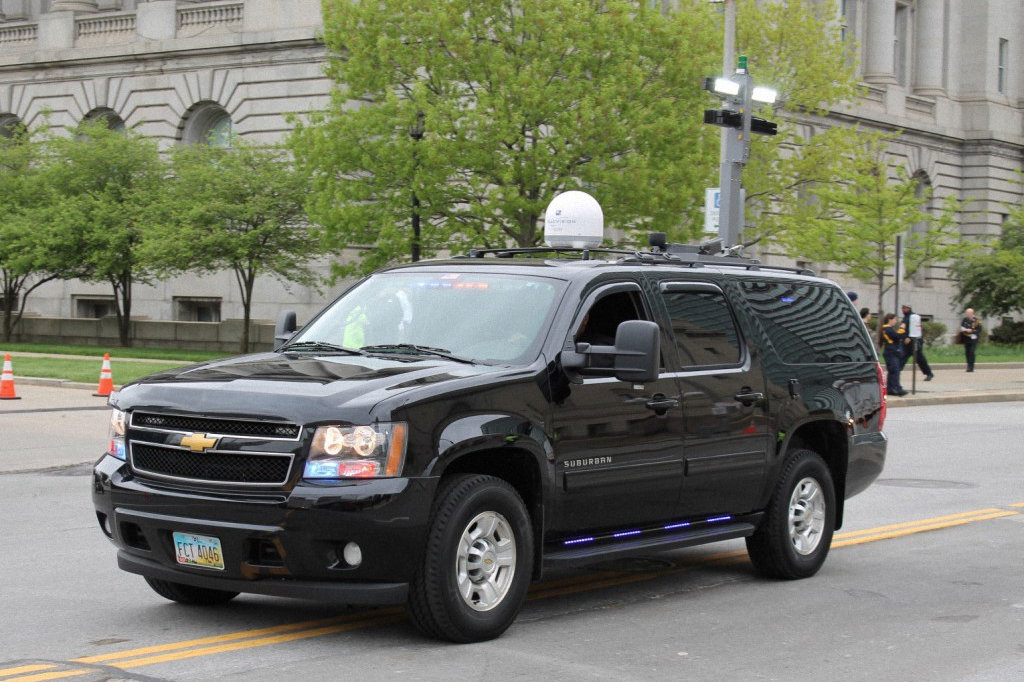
481	317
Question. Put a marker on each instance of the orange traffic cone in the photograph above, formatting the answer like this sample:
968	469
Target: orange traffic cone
7	380
106	379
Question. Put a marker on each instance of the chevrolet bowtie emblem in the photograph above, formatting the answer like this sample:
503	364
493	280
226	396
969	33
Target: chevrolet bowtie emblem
198	442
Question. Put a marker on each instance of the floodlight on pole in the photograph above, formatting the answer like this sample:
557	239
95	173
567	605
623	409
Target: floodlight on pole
738	94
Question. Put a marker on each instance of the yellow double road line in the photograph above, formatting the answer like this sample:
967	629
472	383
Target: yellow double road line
250	639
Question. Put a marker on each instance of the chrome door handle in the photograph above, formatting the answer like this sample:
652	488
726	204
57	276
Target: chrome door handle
748	399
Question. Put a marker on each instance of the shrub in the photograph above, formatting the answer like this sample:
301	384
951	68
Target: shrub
932	332
1008	333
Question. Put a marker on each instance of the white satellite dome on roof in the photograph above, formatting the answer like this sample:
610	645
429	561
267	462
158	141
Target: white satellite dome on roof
573	220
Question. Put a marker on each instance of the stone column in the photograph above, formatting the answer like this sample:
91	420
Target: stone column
74	6
930	34
878	41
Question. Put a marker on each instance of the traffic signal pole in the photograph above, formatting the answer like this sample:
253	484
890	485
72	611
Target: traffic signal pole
737	93
737	153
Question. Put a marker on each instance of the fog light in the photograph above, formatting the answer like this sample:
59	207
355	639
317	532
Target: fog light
352	554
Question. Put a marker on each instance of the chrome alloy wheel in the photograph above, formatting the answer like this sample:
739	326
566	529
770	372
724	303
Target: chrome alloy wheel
806	516
486	561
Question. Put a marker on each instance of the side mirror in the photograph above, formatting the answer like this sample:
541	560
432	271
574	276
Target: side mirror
635	357
284	328
637	351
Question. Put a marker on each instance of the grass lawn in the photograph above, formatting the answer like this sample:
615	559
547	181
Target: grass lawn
988	352
87	369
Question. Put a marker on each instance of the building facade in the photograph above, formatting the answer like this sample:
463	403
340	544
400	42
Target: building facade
945	73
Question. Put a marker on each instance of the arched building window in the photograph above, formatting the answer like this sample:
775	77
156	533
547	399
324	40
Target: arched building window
114	122
206	123
10	125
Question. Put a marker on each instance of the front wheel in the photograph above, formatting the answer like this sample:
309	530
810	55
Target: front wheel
477	563
794	538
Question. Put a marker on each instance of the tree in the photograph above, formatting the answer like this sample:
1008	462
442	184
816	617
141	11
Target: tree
993	282
24	263
106	186
473	114
858	221
798	50
237	208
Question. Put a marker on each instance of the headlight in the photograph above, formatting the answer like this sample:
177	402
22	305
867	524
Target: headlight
376	451
115	439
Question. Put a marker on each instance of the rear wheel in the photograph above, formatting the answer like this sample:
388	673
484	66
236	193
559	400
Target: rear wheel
189	594
477	563
793	540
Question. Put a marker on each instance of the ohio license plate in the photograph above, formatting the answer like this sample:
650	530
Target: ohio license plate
198	550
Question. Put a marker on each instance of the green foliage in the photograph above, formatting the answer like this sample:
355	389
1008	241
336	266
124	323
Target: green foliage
858	221
237	208
484	110
992	282
932	332
1008	333
456	122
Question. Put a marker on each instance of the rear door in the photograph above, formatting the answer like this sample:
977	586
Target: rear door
724	420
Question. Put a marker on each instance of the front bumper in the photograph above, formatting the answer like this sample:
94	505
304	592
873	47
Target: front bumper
287	543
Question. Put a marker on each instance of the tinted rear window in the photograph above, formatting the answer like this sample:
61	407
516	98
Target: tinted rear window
809	323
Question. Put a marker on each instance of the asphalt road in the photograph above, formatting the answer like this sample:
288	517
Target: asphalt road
925	582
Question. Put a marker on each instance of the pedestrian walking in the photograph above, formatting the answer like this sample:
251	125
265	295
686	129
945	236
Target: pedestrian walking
970	332
865	316
914	346
892	350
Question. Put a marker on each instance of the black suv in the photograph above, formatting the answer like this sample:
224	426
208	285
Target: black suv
445	431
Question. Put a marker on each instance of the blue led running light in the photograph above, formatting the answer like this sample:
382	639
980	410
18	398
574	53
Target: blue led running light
675	526
578	541
633	532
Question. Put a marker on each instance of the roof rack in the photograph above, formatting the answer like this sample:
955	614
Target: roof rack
662	252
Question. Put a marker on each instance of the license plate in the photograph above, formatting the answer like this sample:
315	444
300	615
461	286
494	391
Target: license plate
198	550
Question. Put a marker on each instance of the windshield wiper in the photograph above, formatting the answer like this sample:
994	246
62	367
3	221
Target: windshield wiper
321	346
413	349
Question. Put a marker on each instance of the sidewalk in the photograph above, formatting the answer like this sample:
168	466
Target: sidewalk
992	382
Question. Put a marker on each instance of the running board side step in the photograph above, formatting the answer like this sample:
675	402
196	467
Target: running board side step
565	557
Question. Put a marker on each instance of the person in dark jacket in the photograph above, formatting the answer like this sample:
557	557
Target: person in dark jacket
970	332
893	337
914	347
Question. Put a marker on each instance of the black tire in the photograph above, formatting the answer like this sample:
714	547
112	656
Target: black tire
472	590
189	594
794	537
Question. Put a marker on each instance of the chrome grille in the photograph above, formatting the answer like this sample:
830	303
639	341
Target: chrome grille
226	427
212	466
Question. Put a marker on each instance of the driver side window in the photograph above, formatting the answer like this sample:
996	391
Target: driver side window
599	324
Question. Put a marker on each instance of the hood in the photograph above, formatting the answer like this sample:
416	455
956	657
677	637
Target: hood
299	388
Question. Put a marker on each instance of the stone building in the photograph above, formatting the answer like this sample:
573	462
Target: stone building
946	73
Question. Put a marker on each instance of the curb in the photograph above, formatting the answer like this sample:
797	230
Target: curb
57	383
953	399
